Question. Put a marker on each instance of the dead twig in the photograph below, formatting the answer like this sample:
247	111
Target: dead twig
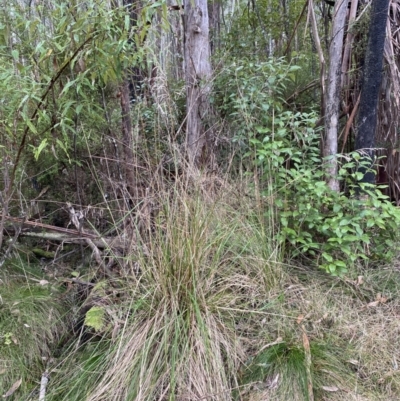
76	218
350	122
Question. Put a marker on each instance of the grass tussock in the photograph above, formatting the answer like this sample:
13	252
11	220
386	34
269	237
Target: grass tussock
181	339
210	311
31	324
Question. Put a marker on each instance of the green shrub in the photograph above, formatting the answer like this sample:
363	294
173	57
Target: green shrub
336	229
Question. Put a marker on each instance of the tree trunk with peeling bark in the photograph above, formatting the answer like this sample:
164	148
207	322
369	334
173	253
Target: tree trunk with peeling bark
198	86
330	148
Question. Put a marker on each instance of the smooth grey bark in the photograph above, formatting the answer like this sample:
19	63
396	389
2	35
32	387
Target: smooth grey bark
332	103
198	86
371	82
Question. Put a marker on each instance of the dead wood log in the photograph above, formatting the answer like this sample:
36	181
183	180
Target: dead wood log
39	230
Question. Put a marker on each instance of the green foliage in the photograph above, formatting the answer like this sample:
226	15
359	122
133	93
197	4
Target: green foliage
336	229
250	96
56	63
95	318
32	320
261	28
284	366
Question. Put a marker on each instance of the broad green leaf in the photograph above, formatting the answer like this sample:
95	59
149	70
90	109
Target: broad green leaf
95	318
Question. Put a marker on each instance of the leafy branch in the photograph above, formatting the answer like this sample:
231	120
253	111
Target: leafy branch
51	84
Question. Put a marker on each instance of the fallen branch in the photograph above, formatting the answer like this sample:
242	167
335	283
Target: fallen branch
102	243
53	233
76	218
36	224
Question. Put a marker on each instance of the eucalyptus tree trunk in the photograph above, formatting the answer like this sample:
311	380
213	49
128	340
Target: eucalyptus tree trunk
330	146
371	82
127	90
198	86
318	47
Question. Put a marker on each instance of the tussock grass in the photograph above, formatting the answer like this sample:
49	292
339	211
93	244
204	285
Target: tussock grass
31	323
189	306
181	340
212	312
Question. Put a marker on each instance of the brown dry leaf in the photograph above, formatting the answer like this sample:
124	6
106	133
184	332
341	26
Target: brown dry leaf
13	388
330	389
43	191
373	304
299	319
115	331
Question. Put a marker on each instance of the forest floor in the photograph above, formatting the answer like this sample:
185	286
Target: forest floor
204	306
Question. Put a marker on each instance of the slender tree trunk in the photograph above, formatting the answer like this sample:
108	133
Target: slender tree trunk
197	74
127	137
317	41
214	14
371	82
330	146
127	91
348	46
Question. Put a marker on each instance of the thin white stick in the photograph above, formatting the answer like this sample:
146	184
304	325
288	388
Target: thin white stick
43	385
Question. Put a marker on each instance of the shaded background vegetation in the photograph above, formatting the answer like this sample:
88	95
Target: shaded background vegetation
133	270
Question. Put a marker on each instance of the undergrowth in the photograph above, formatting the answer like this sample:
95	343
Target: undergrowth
282	151
181	334
212	312
33	318
265	288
